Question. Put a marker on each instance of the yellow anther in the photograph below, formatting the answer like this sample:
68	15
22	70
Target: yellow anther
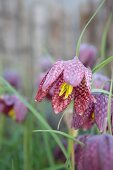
92	116
12	114
67	89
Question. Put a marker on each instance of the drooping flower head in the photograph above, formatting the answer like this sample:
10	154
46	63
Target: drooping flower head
72	81
88	55
101	82
97	154
11	106
95	113
13	78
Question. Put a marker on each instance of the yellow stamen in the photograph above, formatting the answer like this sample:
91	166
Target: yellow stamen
12	114
67	89
92	116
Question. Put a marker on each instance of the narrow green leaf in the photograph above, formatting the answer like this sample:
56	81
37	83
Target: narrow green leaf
102	64
81	35
101	91
104	36
61	133
109	109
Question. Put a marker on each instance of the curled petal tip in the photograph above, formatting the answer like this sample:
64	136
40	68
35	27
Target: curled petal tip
81	113
56	112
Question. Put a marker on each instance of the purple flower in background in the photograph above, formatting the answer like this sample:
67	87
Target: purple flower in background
88	55
71	80
97	154
11	106
45	63
13	79
101	82
95	113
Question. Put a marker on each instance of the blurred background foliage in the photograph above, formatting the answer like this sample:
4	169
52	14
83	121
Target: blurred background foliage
32	31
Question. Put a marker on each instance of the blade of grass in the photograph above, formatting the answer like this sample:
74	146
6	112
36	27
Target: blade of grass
101	91
61	133
109	109
36	114
81	35
104	37
102	64
13	165
48	151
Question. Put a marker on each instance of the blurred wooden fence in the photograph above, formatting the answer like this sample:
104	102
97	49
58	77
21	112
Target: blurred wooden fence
29	28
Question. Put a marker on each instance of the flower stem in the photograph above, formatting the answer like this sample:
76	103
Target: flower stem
26	146
109	107
104	37
71	149
2	124
81	35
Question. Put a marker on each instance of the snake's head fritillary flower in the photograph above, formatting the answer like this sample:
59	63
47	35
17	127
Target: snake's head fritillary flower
71	80
101	82
88	55
13	78
95	113
11	106
96	154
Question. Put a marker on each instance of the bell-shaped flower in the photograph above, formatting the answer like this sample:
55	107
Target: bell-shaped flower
13	78
96	113
12	107
100	81
88	55
71	81
96	154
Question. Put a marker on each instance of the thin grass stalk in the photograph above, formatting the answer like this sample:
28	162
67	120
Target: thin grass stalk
26	147
82	33
2	124
104	37
47	148
109	108
71	149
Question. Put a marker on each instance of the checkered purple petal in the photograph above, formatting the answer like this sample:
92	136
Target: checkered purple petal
59	104
74	72
53	74
101	107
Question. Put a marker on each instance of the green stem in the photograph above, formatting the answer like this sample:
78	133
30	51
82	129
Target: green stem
104	37
48	151
27	145
2	124
109	109
71	150
81	35
47	148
